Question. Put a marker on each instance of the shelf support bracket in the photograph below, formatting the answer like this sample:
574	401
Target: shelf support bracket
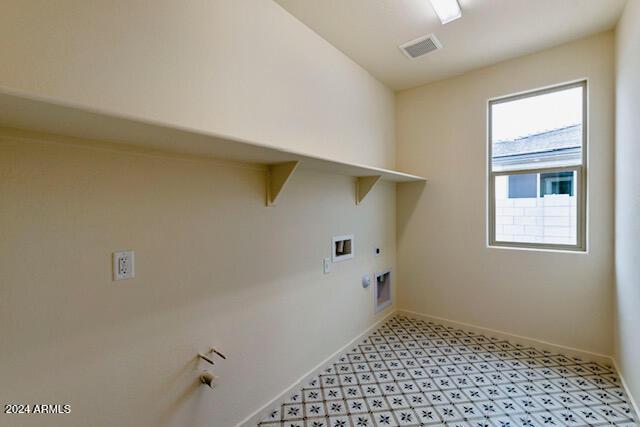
364	184
277	177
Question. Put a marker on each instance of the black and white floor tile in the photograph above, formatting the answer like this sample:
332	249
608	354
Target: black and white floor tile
417	373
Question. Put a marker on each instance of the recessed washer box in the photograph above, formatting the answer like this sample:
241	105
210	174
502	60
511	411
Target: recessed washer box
342	248
383	290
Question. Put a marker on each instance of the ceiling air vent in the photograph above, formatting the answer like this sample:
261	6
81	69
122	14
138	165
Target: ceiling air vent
421	46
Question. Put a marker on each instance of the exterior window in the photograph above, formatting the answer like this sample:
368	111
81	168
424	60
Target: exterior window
537	169
557	183
523	186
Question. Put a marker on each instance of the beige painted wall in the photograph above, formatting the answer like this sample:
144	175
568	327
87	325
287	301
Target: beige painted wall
214	266
445	267
628	197
244	68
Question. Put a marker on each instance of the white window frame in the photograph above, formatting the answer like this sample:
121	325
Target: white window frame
580	171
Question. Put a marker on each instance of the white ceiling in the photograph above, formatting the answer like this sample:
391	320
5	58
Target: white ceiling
490	31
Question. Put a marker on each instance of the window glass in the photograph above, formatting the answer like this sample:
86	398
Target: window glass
551	219
557	183
537	131
523	185
536	167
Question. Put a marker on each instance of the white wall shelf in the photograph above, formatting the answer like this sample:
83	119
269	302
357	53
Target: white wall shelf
21	112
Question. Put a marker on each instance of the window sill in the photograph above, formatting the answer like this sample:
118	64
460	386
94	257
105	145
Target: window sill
576	251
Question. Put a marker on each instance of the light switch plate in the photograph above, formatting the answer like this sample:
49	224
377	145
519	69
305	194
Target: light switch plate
123	265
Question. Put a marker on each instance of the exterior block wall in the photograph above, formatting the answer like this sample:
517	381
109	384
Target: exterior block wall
548	219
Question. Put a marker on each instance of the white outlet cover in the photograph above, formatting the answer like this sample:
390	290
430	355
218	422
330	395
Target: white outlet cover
326	265
123	265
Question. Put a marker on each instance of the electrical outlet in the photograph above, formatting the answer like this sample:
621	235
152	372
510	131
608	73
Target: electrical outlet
123	265
326	265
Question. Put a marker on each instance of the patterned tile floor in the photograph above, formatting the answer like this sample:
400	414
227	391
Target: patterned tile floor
411	372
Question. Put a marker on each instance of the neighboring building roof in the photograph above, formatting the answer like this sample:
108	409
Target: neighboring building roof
557	140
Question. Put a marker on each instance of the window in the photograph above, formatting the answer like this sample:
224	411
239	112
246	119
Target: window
557	183
523	186
537	169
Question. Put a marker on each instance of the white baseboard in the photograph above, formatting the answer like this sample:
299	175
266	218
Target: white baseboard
261	413
633	402
517	339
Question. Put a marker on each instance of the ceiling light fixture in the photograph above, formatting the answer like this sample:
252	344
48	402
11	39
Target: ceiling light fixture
447	10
